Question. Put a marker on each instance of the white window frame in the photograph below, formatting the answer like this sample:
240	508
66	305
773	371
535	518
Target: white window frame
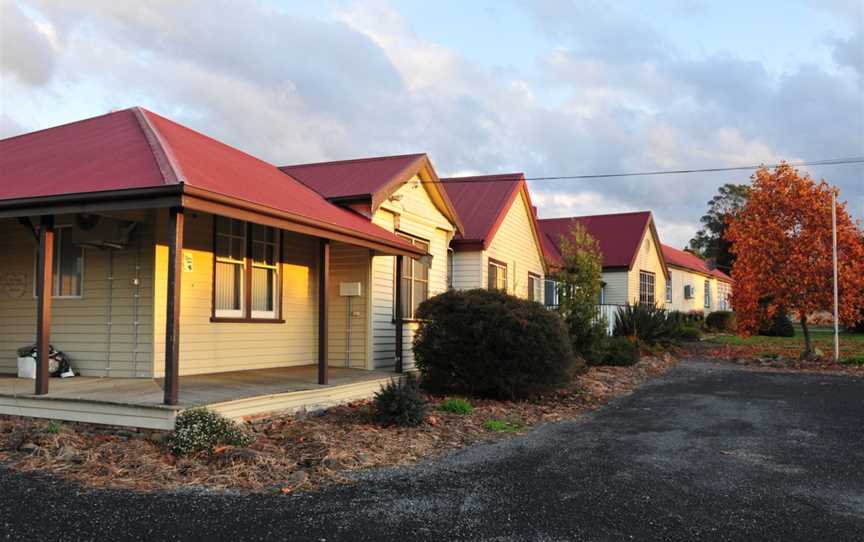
408	293
535	290
277	278
669	290
231	313
653	291
55	265
553	301
707	294
501	271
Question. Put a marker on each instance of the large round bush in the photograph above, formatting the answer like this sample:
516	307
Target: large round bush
490	344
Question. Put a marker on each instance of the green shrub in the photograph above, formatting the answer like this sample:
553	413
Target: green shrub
645	323
779	326
456	406
490	344
721	321
620	351
400	403
53	427
201	430
503	426
689	333
588	338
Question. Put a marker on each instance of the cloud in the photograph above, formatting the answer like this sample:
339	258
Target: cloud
609	92
26	52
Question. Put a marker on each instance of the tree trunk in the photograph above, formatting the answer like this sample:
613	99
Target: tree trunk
808	343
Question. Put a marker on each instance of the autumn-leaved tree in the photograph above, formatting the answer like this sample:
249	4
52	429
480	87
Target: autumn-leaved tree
781	240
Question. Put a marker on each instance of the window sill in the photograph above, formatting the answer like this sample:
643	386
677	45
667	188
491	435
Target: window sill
409	321
228	320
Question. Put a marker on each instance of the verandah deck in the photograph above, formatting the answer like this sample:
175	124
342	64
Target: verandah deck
138	402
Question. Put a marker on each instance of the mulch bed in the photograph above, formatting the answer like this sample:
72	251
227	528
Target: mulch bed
294	452
769	359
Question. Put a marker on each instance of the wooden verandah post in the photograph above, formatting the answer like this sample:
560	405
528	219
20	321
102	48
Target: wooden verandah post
45	290
397	313
323	275
172	317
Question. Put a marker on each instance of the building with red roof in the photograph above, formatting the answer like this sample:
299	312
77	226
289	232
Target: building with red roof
401	194
500	243
693	285
634	269
157	253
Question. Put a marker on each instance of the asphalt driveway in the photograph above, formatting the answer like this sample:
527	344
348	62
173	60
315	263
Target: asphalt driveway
703	453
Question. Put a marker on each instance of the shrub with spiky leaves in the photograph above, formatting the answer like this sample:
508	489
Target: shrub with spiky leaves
401	403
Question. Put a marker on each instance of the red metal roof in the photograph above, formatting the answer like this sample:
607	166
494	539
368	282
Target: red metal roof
482	203
135	148
688	260
362	177
108	152
618	235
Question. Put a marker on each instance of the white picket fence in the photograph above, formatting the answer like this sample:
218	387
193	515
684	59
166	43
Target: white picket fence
608	311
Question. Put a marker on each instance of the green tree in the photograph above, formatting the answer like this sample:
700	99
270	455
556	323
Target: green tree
710	242
579	283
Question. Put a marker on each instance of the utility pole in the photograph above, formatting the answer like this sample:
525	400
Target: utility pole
834	257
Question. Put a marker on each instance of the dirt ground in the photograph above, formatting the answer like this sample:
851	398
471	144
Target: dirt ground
300	451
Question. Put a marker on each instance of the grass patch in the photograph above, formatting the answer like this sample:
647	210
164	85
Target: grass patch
456	406
851	344
769	355
853	360
503	426
53	427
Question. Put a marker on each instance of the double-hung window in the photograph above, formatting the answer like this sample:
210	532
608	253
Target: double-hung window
415	279
534	292
68	265
707	294
265	271
246	274
646	288
550	297
497	279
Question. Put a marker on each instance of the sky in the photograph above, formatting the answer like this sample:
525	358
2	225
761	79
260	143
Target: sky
545	87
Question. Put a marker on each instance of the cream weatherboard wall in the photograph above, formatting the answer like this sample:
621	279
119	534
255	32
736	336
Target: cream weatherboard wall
647	259
682	277
108	330
615	287
410	210
515	244
210	347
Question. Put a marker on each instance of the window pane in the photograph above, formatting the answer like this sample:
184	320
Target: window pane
492	280
68	267
223	225
420	294
406	267
238	249
550	292
229	286
406	299
238	227
263	290
421	271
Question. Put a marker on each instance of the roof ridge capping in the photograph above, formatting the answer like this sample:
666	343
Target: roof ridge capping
353	160
170	169
597	215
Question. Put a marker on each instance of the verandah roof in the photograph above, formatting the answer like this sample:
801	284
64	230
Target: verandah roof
137	150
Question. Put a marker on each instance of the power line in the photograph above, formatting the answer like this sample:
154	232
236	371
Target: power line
827	162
